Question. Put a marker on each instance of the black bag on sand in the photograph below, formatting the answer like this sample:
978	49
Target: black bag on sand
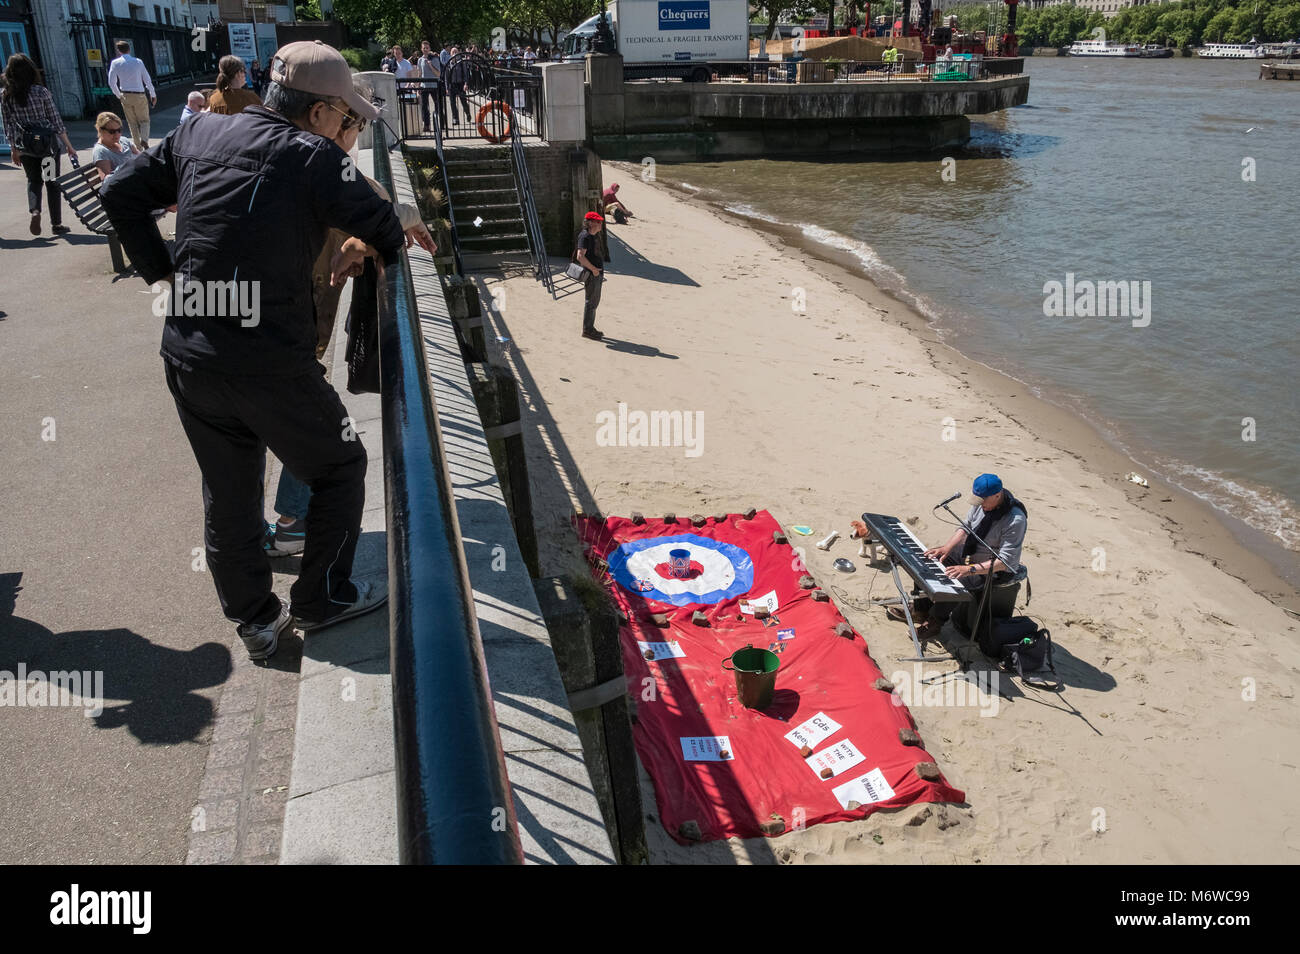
1018	644
363	333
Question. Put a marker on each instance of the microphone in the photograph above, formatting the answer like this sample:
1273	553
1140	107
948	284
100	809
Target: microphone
944	503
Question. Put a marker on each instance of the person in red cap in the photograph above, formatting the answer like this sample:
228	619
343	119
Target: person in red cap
257	193
614	206
589	257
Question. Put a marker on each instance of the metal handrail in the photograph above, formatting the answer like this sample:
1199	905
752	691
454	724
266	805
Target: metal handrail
532	225
453	797
446	183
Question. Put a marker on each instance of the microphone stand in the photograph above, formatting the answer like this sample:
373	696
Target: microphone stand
988	582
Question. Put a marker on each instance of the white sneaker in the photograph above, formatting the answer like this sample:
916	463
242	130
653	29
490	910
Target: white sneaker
371	594
262	641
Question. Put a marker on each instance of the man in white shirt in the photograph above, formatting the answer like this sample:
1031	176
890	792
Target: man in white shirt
129	80
404	66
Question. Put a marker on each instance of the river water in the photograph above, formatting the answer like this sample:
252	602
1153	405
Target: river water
1116	171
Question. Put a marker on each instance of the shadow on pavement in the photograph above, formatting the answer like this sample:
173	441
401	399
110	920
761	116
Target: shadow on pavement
152	688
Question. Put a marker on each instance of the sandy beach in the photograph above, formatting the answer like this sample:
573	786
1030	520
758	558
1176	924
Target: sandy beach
1175	738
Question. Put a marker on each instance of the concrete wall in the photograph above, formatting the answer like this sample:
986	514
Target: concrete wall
694	121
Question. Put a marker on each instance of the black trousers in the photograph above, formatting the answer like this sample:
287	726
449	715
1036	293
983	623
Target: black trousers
457	92
230	422
592	286
32	166
425	96
939	612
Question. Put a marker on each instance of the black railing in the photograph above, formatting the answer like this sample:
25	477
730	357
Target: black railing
453	797
532	225
485	106
446	194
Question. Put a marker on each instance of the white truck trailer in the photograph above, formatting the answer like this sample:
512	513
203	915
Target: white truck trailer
670	37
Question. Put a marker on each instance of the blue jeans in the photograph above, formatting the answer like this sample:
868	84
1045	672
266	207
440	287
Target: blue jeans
291	496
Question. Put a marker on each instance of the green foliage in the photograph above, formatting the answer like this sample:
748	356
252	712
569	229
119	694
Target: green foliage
1178	24
361	60
310	10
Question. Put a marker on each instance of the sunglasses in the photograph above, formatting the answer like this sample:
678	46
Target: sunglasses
114	131
350	119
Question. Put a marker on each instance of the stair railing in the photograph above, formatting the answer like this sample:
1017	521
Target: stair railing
532	225
446	190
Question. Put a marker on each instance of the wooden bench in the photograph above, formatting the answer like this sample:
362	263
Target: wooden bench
80	187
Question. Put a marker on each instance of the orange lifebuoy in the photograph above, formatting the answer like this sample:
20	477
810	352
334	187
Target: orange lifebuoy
482	127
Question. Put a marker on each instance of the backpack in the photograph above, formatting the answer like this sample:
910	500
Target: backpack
1019	645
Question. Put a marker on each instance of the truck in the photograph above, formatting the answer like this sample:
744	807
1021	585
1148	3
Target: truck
658	38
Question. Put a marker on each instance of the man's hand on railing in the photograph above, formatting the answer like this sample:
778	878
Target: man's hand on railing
349	260
419	234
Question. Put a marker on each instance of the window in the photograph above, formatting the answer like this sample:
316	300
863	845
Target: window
136	11
167	12
157	13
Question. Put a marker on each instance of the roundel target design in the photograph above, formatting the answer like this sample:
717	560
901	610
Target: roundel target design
718	571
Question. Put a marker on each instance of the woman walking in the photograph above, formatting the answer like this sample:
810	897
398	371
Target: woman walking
32	125
232	96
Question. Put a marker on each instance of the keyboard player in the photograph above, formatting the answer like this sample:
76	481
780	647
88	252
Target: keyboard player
1001	520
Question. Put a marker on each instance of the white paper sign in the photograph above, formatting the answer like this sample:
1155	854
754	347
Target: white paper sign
767	599
817	729
662	650
839	758
865	789
707	748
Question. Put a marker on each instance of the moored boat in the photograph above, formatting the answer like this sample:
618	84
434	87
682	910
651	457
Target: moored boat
1103	48
1232	51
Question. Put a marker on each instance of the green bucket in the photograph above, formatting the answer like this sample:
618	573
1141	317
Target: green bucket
755	671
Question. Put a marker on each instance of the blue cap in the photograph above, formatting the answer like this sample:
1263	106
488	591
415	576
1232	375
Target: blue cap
986	485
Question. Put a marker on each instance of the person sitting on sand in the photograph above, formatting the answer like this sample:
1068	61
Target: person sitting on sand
613	206
1001	520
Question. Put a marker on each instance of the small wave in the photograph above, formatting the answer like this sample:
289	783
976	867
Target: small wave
1264	510
687	185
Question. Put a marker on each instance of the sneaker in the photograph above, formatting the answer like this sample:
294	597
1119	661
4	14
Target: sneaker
371	595
261	640
60	229
896	613
36	223
593	334
282	541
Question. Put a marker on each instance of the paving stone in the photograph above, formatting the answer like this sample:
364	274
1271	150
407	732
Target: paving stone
275	745
262	840
272	774
232	726
279	718
217	815
219	782
216	848
233	752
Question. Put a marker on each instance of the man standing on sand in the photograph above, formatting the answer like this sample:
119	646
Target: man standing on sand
257	193
589	257
130	82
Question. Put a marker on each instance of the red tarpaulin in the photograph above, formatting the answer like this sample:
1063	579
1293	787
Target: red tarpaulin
727	768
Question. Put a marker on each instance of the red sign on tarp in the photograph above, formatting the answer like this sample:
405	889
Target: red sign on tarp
714	762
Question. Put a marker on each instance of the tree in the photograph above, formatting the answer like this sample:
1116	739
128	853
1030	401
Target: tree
563	15
1218	26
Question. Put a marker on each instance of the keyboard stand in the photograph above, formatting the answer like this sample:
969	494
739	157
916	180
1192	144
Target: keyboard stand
901	599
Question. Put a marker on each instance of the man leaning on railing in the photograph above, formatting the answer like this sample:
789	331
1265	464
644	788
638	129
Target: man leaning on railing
239	343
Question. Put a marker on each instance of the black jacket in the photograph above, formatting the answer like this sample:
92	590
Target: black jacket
255	198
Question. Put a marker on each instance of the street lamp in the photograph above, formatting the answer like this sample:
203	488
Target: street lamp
604	42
